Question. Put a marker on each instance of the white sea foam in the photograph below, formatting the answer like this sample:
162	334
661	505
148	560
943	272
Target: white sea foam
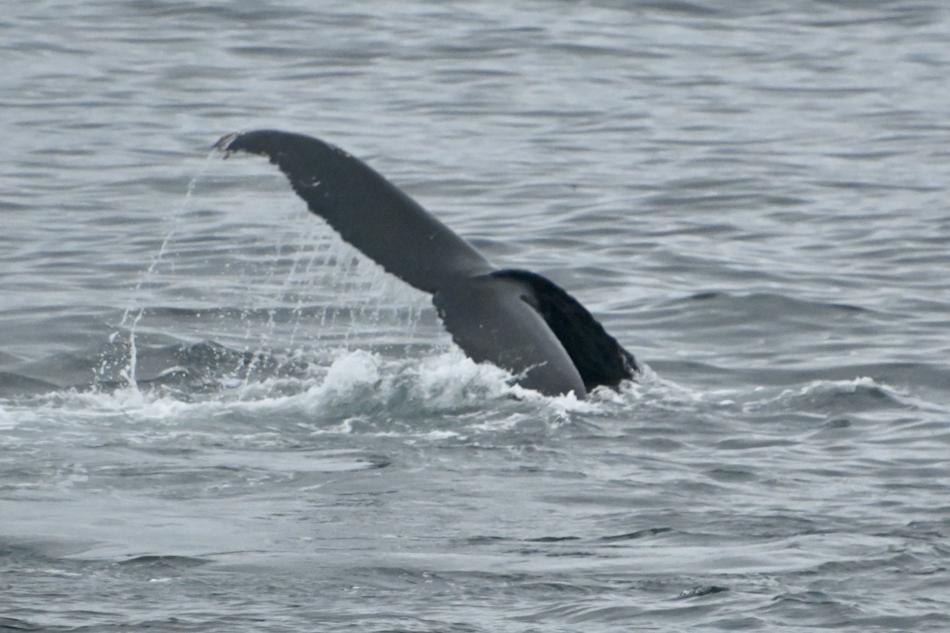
355	386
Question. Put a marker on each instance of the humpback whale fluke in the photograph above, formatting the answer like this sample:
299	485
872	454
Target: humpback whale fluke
515	319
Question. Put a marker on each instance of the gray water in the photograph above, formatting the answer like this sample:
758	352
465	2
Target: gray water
214	416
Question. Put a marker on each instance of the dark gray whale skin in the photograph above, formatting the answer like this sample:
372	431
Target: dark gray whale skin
515	319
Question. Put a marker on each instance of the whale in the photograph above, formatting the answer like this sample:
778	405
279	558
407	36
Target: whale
515	319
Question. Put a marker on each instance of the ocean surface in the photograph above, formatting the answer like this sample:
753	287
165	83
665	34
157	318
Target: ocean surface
216	416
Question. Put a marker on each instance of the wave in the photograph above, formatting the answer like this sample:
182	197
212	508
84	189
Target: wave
351	392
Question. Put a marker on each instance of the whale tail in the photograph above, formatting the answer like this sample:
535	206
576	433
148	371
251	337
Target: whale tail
515	319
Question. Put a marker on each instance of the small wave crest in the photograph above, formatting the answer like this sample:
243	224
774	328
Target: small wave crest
834	397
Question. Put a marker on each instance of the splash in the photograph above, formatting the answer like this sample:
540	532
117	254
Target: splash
315	267
136	310
357	384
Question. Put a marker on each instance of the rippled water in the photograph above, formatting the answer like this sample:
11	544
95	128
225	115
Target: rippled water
216	417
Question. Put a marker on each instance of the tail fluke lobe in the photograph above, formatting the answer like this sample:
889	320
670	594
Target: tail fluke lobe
490	320
598	357
366	210
529	325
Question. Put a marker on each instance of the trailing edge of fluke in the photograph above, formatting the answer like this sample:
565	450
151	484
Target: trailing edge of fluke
515	319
